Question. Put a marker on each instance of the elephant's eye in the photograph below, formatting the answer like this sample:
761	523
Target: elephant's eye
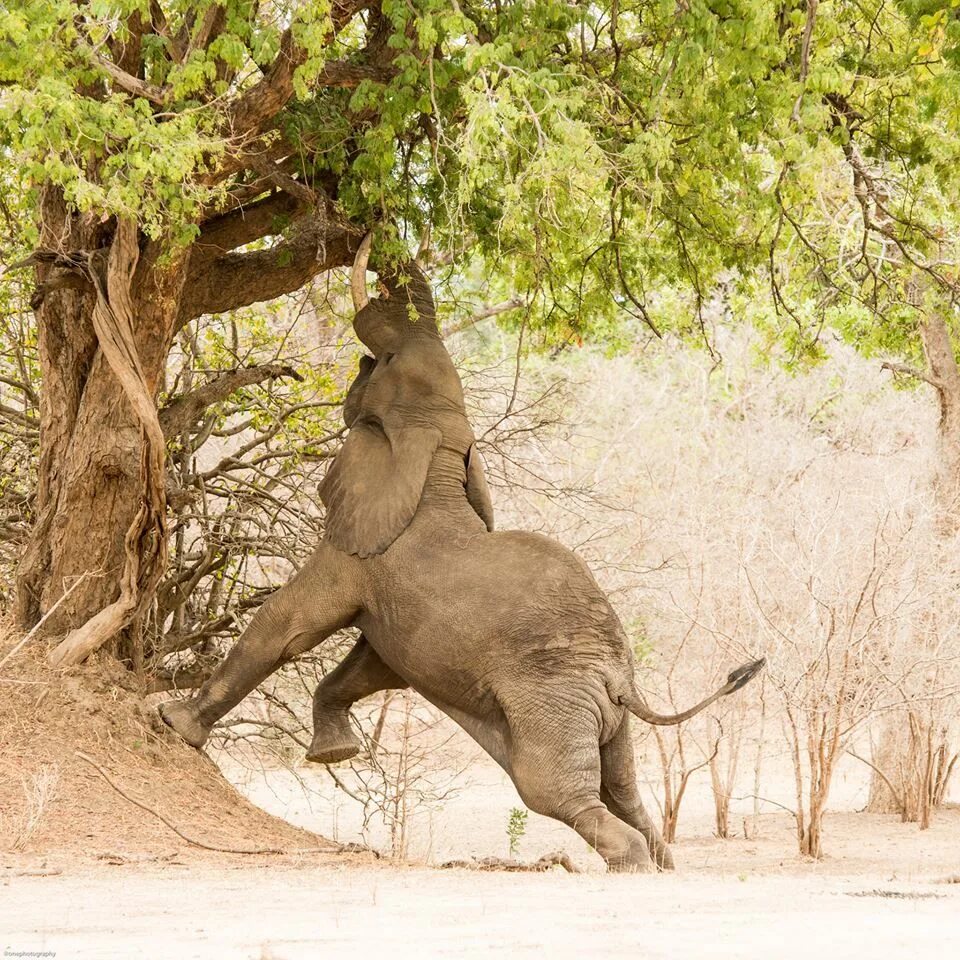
389	357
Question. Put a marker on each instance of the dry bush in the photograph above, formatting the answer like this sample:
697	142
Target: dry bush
39	790
408	764
837	608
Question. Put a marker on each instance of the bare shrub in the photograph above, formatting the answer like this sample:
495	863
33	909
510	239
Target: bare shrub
723	763
836	638
399	777
39	790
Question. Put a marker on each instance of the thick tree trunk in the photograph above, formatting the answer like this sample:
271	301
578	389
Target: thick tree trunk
91	479
67	347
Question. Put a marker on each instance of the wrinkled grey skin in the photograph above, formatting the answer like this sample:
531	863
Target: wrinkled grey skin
506	632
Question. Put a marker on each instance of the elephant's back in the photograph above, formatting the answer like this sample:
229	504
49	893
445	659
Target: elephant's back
508	589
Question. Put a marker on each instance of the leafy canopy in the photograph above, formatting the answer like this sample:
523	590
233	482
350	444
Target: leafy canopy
586	156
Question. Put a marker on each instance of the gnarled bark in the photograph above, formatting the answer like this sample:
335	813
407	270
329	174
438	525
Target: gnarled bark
100	506
145	540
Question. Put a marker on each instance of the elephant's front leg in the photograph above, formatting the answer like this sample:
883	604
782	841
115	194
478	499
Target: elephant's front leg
325	596
360	674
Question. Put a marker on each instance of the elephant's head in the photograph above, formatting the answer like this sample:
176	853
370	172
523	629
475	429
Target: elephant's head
405	405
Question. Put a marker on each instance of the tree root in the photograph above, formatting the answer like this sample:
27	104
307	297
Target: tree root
191	840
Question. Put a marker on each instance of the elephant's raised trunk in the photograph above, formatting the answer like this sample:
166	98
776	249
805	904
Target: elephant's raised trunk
735	680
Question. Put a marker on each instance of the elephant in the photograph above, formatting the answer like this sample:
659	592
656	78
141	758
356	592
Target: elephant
507	632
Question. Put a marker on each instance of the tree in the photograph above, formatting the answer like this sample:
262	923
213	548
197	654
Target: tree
875	249
178	160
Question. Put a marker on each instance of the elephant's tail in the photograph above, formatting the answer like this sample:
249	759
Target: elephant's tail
735	680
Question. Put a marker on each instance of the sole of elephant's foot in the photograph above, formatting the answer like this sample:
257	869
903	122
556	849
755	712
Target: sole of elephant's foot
179	717
333	752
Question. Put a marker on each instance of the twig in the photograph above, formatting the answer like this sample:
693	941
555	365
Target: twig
45	617
118	859
196	843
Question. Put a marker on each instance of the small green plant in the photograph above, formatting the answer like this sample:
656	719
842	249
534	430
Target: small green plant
516	828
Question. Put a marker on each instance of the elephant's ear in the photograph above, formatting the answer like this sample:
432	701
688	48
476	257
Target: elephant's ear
373	488
478	493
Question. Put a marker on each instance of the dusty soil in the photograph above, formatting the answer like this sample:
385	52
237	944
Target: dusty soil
53	800
286	910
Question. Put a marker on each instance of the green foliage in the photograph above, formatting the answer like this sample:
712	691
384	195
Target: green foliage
588	157
643	648
516	828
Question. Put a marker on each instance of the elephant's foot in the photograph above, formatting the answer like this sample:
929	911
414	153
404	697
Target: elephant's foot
180	716
663	858
333	740
630	864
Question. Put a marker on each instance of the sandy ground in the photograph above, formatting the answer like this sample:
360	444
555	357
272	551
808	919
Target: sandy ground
286	910
883	890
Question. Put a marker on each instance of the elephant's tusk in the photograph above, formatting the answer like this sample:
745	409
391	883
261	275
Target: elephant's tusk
358	279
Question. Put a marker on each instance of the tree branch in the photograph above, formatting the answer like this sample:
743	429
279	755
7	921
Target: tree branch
339	73
187	679
269	170
251	113
908	371
19	417
159	21
485	313
211	27
239	279
230	230
125	81
183	411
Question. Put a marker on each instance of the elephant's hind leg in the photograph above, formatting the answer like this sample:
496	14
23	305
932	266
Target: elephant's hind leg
323	597
360	674
557	773
618	790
